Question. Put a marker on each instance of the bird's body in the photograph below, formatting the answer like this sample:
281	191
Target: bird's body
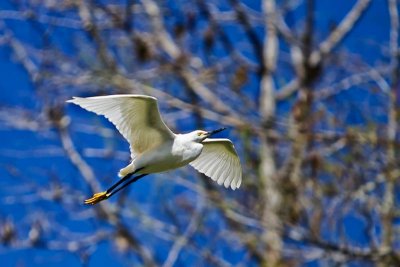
164	157
155	148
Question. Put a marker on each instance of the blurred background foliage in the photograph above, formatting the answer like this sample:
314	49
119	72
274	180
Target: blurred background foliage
308	89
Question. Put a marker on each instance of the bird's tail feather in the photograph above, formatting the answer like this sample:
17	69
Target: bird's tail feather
127	170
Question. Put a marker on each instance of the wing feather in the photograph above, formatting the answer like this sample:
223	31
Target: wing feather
136	117
220	162
230	178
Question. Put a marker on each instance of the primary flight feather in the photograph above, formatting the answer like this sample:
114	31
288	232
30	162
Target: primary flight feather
155	148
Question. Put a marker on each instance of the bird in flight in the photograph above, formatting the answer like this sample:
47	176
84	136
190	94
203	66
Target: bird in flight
155	148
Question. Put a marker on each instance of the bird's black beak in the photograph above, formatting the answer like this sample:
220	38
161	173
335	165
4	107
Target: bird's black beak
215	131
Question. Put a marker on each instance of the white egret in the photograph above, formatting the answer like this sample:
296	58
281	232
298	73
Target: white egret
155	148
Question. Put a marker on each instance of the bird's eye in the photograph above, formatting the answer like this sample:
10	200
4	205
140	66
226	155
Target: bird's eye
198	134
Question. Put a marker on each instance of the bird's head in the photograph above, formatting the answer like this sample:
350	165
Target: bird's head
200	135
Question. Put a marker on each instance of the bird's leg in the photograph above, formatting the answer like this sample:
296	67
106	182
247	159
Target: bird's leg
108	193
126	184
97	197
122	180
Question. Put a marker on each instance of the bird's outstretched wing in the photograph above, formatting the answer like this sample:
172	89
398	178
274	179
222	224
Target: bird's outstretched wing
136	117
220	162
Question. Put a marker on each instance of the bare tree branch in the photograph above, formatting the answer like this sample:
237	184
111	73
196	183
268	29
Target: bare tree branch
340	32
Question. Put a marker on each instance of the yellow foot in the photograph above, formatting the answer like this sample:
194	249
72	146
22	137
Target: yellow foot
96	198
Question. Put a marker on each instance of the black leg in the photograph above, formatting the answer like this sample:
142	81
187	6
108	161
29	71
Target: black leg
97	197
134	179
123	179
